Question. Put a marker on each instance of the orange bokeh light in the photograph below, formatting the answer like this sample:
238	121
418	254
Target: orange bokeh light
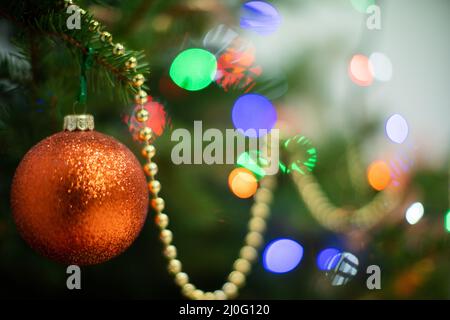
359	70
242	183
379	175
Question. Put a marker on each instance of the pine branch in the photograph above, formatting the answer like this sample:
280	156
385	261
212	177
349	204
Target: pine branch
49	21
14	63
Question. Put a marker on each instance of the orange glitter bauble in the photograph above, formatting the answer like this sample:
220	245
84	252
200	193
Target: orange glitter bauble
79	197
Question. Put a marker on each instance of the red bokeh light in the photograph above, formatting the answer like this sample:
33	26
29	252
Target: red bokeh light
158	119
236	67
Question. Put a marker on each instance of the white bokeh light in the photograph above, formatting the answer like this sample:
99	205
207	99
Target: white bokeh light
397	128
380	66
414	213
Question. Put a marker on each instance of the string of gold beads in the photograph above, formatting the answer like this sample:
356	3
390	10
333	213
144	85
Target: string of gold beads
259	211
340	219
236	279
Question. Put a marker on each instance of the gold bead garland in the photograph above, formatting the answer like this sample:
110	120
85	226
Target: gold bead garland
118	49
248	253
131	63
340	219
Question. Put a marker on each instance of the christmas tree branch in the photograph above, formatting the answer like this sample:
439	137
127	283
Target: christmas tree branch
112	58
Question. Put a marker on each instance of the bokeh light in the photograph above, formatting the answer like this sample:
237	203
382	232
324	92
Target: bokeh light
380	66
447	221
326	259
362	5
379	175
345	268
397	128
301	155
236	68
242	183
414	213
253	161
260	17
254	112
194	69
158	119
359	70
282	255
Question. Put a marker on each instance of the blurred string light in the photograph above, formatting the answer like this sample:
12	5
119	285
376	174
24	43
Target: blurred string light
282	255
242	183
379	175
253	161
397	128
254	112
380	66
414	213
194	69
447	221
362	5
260	17
158	119
301	153
236	68
345	267
359	70
326	259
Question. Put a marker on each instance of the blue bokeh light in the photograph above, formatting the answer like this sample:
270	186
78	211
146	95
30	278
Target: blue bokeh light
327	259
254	114
260	17
282	255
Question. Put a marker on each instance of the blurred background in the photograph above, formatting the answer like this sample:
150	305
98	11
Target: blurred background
330	78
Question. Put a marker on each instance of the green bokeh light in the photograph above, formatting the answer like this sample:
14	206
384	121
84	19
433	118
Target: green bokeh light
254	162
302	153
362	5
194	69
447	221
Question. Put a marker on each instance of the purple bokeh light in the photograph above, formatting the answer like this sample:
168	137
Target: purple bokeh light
326	259
260	16
254	112
282	255
397	128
